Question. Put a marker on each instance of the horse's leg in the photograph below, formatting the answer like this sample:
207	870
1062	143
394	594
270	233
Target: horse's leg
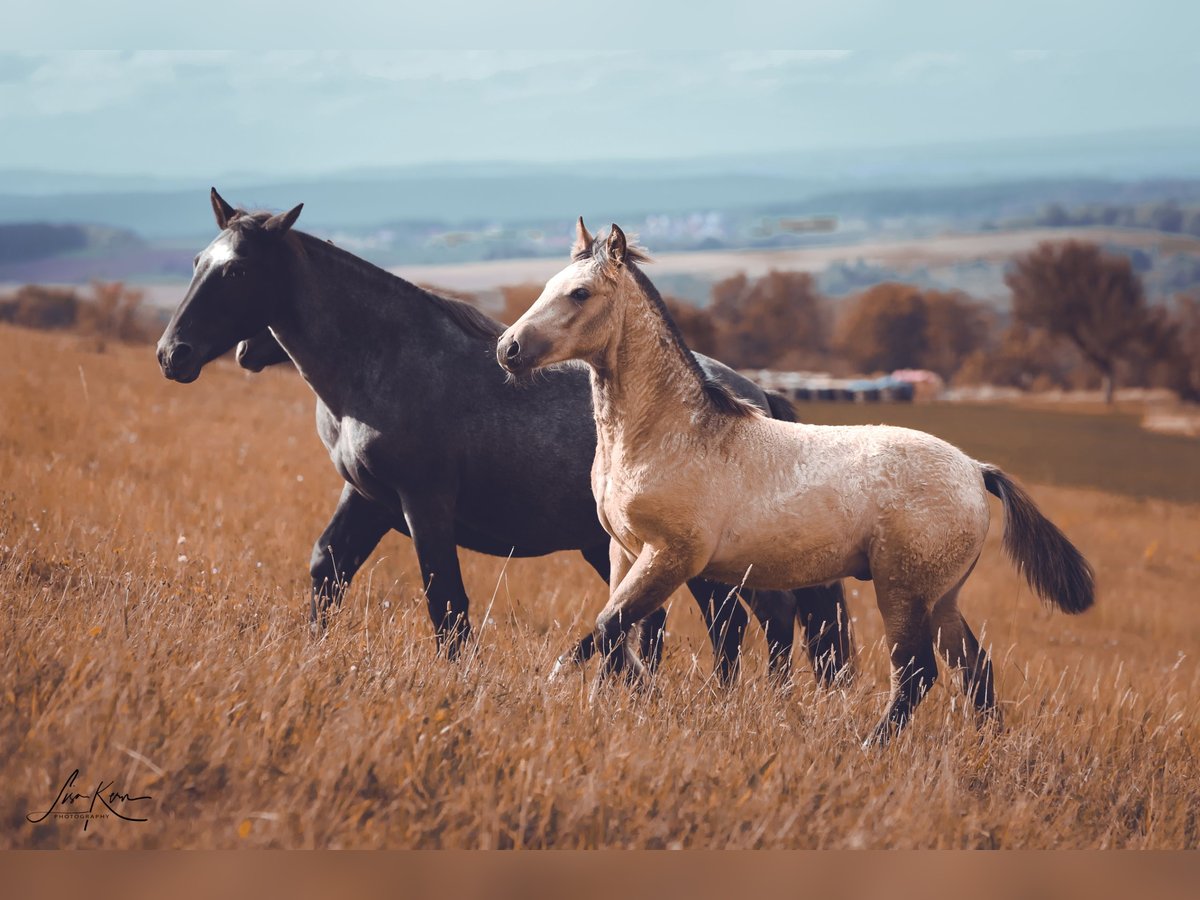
906	625
430	519
954	639
776	612
352	534
821	612
585	649
651	631
644	588
726	620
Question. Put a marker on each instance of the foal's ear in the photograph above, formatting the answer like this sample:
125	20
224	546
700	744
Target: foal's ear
618	248
222	210
583	241
282	222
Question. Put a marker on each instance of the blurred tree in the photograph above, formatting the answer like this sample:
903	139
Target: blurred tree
1075	291
517	299
884	328
697	325
955	327
113	313
1185	349
777	317
37	306
1166	217
1026	358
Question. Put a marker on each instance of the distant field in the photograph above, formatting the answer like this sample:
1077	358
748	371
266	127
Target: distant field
712	265
154	544
1105	450
902	255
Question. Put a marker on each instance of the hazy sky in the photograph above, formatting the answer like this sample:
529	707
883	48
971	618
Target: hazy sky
183	112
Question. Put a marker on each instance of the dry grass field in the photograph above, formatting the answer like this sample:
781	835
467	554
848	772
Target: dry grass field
154	541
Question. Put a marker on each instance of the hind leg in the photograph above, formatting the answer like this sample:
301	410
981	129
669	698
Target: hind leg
955	641
914	666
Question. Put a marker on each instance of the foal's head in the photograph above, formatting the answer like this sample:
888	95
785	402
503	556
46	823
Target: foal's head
235	288
577	313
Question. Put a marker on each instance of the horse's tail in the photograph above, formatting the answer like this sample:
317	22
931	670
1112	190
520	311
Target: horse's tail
780	406
1050	563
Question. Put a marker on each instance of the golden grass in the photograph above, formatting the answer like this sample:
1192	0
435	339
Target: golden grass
153	563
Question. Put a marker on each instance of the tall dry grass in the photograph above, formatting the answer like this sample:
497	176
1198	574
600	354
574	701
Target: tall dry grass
153	549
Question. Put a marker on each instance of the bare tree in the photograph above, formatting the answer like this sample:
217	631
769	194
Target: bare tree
1093	299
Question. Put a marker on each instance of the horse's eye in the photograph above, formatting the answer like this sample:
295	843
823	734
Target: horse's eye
580	294
195	260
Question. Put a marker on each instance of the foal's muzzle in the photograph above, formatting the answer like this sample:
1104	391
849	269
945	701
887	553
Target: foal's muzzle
513	358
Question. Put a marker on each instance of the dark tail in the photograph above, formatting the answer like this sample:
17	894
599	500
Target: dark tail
781	407
1042	553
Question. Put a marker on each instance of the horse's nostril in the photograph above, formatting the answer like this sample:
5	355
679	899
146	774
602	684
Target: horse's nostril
513	351
179	354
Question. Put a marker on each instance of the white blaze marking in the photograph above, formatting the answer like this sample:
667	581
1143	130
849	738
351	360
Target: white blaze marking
219	251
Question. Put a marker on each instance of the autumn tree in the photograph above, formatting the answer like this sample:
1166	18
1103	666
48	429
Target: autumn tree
114	313
778	320
697	325
955	327
1185	350
1025	358
517	299
884	328
37	306
1075	291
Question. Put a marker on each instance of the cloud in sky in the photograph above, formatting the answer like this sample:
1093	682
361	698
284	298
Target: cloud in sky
188	112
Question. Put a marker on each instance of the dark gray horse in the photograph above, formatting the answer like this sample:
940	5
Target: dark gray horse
429	438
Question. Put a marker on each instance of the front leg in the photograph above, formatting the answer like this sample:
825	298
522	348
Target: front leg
351	536
430	520
654	575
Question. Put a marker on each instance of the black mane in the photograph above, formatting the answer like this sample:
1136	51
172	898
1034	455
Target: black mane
718	396
469	320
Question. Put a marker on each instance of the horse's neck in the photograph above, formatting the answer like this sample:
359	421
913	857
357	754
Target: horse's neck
345	327
643	387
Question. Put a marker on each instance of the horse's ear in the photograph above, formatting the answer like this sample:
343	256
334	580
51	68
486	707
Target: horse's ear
222	210
282	222
618	248
583	241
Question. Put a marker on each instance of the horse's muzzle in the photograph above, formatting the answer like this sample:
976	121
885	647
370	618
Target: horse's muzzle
247	359
179	362
512	357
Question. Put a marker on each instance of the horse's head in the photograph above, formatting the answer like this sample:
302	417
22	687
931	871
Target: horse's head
577	313
236	287
257	353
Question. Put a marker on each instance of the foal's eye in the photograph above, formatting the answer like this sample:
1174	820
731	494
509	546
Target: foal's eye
580	294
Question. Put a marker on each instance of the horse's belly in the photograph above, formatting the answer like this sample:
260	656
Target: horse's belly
784	568
790	548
